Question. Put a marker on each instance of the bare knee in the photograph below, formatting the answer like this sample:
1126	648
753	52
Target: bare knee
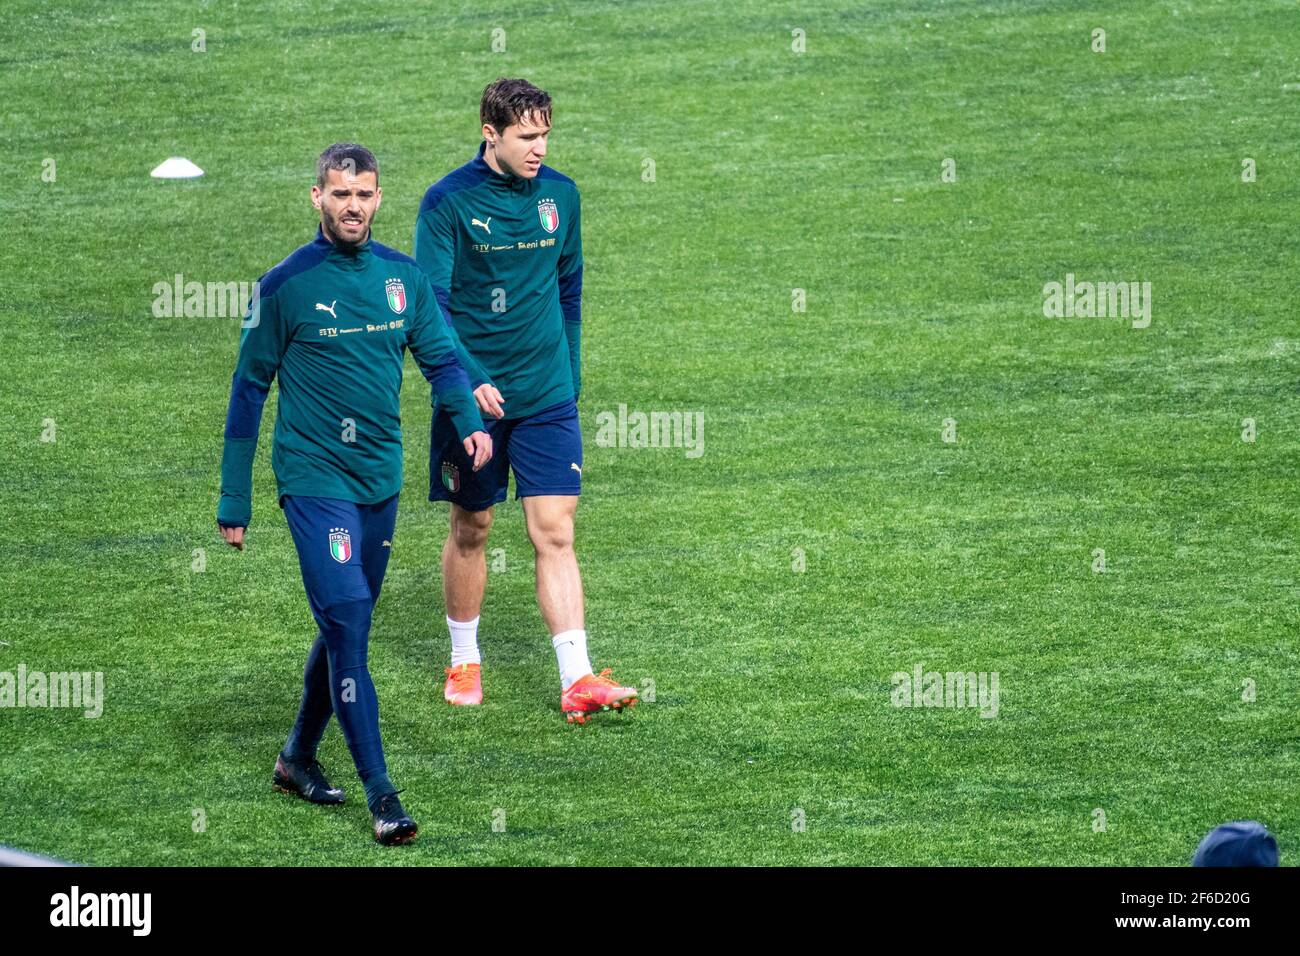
469	529
551	534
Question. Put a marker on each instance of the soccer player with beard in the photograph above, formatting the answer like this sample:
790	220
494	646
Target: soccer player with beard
500	239
332	323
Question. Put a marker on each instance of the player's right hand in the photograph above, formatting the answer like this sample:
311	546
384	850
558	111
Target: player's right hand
489	401
234	537
479	447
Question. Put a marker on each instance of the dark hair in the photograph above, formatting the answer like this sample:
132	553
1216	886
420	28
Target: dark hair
353	157
507	101
1240	843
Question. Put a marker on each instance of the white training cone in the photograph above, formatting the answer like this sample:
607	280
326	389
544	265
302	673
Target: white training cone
176	167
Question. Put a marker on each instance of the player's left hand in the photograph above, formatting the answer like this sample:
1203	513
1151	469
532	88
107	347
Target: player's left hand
479	447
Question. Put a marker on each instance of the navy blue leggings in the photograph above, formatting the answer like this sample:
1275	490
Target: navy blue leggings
343	548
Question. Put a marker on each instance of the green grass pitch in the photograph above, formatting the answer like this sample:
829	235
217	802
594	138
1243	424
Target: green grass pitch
1125	691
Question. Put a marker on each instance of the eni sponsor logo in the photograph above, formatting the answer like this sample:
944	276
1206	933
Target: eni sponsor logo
518	246
369	327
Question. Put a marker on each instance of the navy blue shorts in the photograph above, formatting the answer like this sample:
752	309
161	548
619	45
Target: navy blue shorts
543	449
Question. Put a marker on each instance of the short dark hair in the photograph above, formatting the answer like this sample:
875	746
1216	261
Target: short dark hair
506	101
353	157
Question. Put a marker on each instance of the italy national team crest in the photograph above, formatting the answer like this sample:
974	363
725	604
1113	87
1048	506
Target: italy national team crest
340	545
451	476
396	295
549	215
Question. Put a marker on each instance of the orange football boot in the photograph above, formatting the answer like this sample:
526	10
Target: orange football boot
592	694
464	685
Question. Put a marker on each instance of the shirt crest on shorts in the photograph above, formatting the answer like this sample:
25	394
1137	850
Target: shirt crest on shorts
450	476
340	545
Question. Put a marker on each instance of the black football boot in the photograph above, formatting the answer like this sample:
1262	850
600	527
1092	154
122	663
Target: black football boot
306	780
393	825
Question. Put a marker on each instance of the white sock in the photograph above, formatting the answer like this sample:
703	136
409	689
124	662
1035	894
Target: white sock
464	642
571	654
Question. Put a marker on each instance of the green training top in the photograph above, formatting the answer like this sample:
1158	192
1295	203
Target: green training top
332	324
504	255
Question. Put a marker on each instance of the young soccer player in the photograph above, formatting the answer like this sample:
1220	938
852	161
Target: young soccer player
500	239
332	323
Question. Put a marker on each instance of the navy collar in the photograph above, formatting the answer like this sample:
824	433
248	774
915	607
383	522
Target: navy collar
509	180
350	252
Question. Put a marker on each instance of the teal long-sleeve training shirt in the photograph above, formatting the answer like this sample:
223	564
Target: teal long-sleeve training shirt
504	256
332	324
